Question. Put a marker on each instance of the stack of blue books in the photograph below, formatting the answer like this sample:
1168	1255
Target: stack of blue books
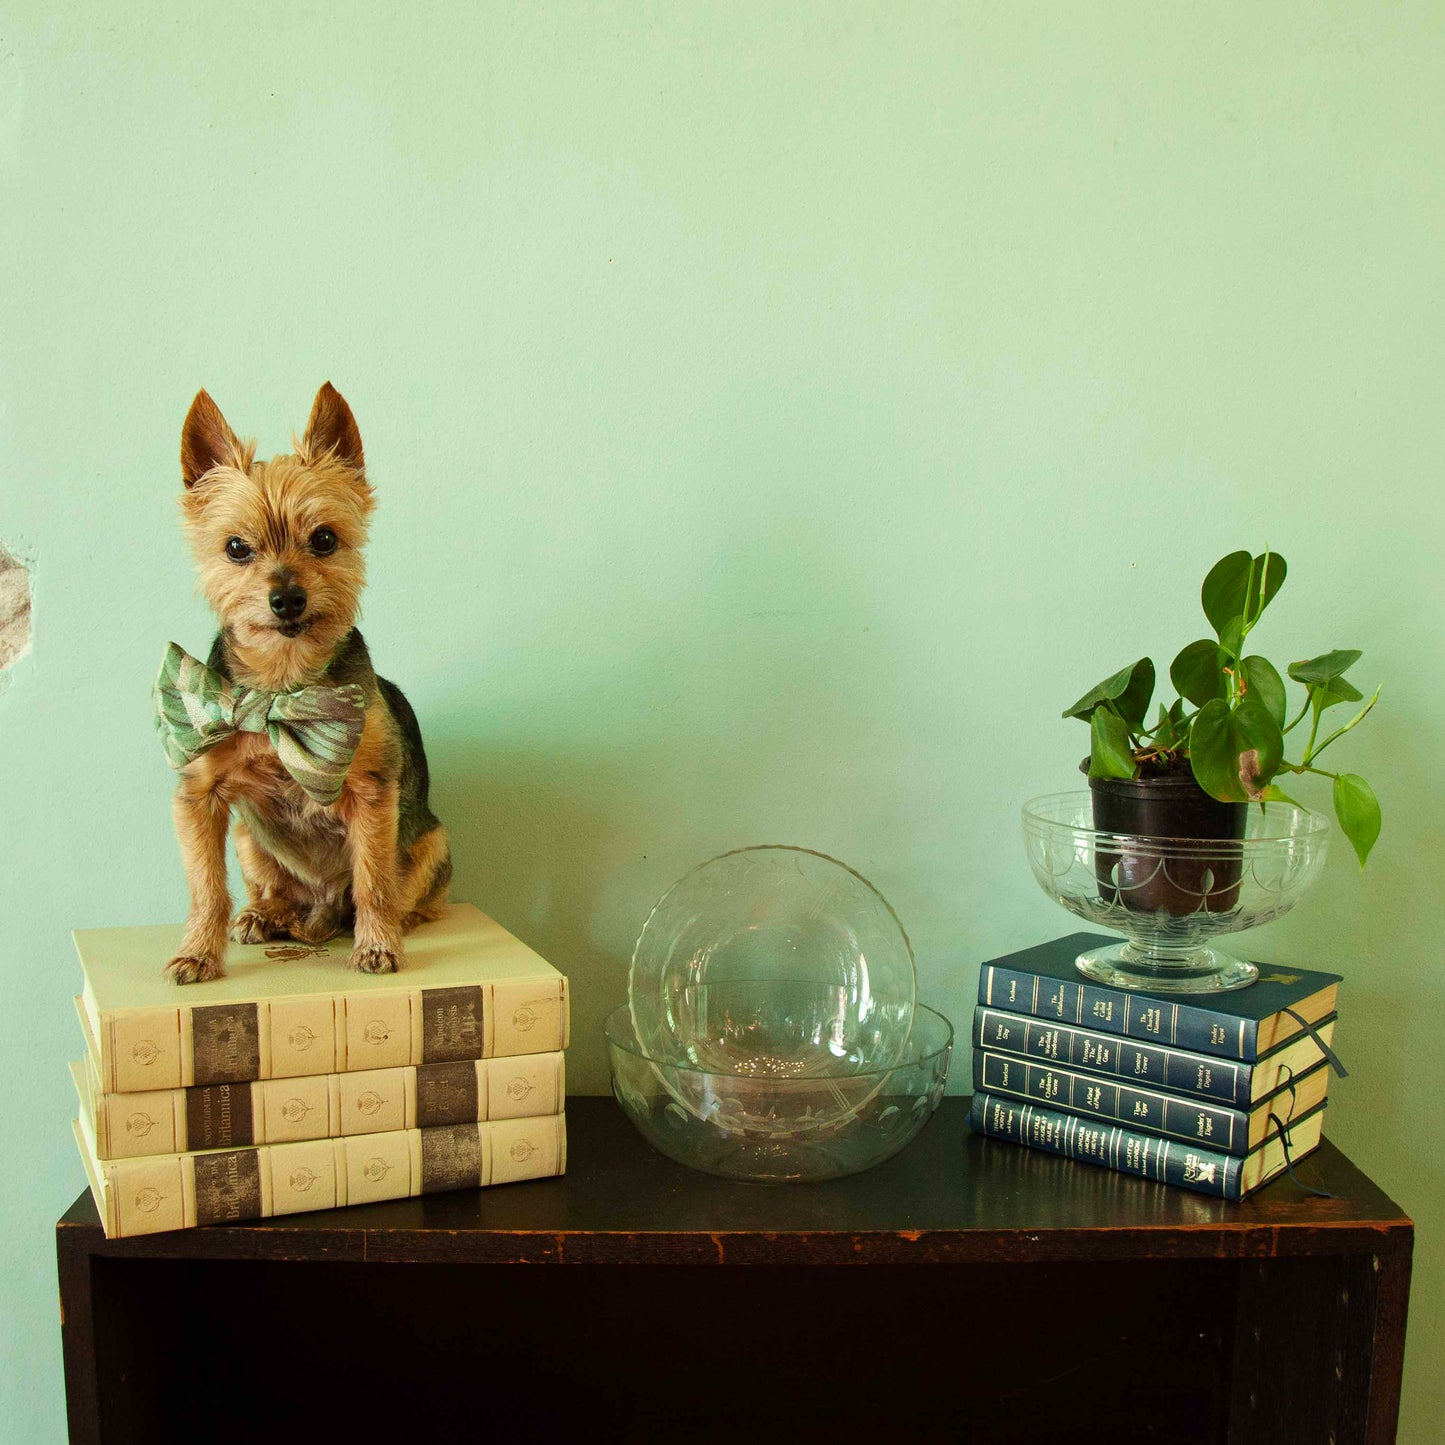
1217	1093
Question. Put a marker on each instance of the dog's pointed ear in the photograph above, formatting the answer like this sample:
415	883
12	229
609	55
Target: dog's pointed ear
332	429
206	441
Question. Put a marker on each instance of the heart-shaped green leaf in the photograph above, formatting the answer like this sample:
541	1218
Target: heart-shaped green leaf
1111	752
1265	685
1129	690
1241	586
1235	752
1198	672
1225	589
1327	666
1133	703
1358	810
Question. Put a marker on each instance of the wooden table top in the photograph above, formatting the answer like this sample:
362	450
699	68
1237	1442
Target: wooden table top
950	1197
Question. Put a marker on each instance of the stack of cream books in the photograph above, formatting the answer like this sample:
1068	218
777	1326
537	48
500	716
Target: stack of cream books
295	1084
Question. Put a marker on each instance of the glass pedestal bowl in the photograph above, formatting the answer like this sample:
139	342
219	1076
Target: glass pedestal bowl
766	1099
1172	897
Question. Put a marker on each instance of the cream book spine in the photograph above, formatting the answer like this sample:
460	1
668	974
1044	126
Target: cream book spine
183	1191
183	1045
285	1111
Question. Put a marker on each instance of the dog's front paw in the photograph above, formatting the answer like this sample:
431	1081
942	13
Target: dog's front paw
374	958
263	921
188	968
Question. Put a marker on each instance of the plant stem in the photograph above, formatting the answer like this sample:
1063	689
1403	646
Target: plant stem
1314	728
1308	768
1246	621
1314	752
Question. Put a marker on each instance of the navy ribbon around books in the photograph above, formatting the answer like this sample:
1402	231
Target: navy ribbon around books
1331	1056
1289	1163
1333	1059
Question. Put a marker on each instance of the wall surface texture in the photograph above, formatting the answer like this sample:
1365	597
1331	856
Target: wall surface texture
778	414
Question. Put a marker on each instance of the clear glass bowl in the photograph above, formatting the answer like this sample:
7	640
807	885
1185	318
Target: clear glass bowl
777	1126
1171	897
773	918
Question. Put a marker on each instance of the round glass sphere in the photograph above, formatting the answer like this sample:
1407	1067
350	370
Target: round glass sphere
773	961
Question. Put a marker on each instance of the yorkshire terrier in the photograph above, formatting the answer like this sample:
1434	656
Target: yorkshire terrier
278	545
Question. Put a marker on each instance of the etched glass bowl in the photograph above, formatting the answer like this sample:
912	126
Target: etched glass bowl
778	920
784	1126
1171	897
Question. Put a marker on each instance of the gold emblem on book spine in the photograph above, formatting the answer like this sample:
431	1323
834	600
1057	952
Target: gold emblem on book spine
149	1200
301	1038
376	1032
524	1019
522	1151
139	1125
1197	1171
369	1102
301	1179
295	1110
376	1168
145	1052
518	1089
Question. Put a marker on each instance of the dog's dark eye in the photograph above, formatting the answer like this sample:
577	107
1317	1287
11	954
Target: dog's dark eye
238	551
323	541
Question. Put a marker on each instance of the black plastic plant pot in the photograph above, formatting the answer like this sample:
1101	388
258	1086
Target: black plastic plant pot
1167	880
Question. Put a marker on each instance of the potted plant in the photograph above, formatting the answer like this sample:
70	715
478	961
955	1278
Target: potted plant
1222	743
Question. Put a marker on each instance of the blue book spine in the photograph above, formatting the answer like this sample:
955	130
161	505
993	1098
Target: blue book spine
1118	1011
1148	1065
1191	1120
1111	1146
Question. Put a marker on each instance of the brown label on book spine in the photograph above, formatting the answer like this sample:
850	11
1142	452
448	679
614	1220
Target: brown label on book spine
451	1020
451	1158
218	1116
228	1187
225	1043
446	1094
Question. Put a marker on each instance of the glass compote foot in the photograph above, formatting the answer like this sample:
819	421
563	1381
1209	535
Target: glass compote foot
1171	897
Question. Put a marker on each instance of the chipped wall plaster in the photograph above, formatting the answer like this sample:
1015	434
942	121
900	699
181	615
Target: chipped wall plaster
14	608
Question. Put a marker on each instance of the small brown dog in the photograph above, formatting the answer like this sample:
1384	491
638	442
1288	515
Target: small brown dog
279	548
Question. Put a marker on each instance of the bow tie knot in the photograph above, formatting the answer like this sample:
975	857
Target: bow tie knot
248	709
314	730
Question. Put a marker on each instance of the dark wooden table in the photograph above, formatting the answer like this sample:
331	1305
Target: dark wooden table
1059	1301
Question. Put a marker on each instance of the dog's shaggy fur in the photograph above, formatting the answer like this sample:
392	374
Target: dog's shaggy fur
270	538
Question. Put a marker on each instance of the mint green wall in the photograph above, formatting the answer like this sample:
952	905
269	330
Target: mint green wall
778	412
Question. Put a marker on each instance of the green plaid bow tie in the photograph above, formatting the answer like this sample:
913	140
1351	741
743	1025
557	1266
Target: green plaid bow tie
314	730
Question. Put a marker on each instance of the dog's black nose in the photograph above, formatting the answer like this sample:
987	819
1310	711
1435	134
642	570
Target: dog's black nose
288	602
